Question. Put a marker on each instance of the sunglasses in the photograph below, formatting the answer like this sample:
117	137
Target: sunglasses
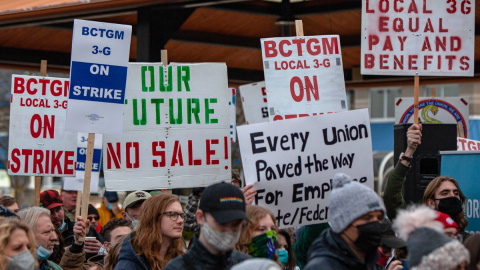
92	218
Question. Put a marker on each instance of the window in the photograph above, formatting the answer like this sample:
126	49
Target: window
442	90
382	102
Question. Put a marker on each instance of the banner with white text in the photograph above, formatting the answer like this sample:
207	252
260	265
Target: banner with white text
38	143
291	164
176	128
303	76
418	37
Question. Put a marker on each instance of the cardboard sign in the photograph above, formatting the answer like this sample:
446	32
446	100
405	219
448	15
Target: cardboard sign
418	37
98	74
38	143
176	130
76	183
254	102
303	76
233	114
463	166
467	144
450	110
291	164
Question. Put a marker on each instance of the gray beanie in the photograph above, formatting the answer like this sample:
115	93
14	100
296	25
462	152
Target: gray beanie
350	200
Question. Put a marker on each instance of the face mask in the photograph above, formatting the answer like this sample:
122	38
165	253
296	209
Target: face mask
102	251
223	241
109	206
21	261
43	253
369	236
263	245
451	206
134	221
282	256
63	226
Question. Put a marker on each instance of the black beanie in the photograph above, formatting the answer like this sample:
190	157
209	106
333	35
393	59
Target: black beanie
92	210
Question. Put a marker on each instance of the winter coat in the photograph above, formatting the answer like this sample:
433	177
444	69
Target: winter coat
74	259
198	257
307	236
330	251
49	265
128	258
106	215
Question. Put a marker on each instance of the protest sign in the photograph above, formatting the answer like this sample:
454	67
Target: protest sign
463	166
76	183
303	76
418	38
38	143
467	144
98	74
176	130
291	164
233	114
449	110
254	102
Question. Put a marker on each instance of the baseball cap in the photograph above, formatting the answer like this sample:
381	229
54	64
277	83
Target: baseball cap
111	196
389	238
50	199
135	197
225	202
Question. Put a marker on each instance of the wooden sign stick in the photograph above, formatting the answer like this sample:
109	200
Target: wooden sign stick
433	92
415	103
299	28
86	180
164	59
38	179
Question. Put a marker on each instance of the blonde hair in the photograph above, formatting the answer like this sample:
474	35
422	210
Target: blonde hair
30	216
7	227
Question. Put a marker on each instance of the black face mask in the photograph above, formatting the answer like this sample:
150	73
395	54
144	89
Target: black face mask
369	236
451	206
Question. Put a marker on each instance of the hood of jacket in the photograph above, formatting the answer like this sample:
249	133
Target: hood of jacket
331	245
128	254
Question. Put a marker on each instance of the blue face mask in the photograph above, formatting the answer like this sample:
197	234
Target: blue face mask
109	206
43	253
134	221
63	226
282	256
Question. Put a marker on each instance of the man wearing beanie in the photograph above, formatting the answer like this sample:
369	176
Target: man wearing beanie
94	218
356	213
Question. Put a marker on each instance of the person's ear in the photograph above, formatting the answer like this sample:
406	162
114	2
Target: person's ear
431	203
200	217
106	245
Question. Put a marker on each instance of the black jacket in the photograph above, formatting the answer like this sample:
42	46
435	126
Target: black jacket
330	251
128	258
198	257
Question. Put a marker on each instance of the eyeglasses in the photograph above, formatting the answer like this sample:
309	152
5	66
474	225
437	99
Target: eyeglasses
91	218
173	215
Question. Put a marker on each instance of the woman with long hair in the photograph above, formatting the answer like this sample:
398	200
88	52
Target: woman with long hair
157	238
17	245
259	236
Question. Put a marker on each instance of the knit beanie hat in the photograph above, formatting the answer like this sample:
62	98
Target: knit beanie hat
257	264
350	200
92	210
428	246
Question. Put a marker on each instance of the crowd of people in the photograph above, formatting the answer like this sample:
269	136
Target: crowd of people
219	228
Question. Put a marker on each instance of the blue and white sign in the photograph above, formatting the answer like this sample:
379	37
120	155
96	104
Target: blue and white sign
76	183
98	75
463	166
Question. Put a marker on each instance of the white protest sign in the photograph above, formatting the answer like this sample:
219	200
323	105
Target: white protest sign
233	114
418	37
38	143
467	144
98	74
448	110
176	130
76	183
291	164
254	102
303	76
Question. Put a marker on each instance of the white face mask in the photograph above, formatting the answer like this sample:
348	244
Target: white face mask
21	261
134	221
222	241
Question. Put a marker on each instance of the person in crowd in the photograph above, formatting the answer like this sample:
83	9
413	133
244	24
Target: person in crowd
157	238
388	242
7	213
355	213
428	246
69	198
473	246
259	235
236	180
220	215
109	208
38	219
257	264
442	193
132	204
94	218
111	258
17	245
450	227
10	203
285	250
